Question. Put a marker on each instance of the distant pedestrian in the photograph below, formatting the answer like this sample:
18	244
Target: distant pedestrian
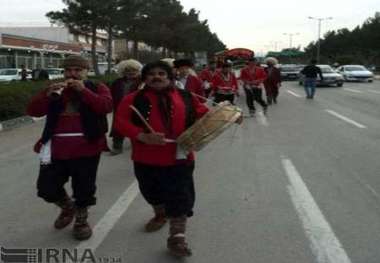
310	73
24	73
273	81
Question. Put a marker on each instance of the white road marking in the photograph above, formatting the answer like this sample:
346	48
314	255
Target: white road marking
352	90
294	94
373	191
107	222
324	244
361	126
262	119
374	91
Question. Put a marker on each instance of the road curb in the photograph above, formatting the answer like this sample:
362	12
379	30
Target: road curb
18	122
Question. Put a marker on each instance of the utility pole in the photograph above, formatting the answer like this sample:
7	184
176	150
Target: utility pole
319	19
291	38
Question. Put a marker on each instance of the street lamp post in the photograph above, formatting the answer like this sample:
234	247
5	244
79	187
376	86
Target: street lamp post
319	19
291	37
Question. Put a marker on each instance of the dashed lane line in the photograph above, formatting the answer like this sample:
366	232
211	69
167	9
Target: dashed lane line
294	94
346	119
323	242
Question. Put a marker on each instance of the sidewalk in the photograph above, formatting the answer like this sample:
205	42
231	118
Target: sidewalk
17	122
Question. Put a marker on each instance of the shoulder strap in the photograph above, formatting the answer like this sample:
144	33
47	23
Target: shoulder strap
189	109
143	105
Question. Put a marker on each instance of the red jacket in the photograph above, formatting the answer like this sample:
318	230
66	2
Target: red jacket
194	84
273	79
254	76
160	155
219	83
73	147
206	75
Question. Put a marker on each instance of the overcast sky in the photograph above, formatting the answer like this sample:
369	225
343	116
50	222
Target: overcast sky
259	25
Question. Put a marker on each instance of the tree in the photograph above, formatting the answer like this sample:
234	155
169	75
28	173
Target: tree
85	16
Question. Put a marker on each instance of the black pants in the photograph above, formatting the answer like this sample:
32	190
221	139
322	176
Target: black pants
254	94
171	186
53	177
222	97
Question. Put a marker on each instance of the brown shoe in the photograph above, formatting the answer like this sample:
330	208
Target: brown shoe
65	218
82	230
158	221
178	247
67	213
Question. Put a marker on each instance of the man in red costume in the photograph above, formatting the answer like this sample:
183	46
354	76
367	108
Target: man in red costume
253	78
224	85
206	75
273	81
190	82
71	142
164	171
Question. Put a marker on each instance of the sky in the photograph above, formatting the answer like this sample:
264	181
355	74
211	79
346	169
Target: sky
257	25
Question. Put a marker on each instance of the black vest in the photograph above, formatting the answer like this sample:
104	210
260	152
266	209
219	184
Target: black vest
94	125
144	106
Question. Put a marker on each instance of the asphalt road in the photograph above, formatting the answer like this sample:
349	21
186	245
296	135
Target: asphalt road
301	185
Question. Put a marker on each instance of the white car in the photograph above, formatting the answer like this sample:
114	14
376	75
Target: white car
11	74
55	73
356	73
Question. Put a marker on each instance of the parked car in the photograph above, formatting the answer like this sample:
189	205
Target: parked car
12	74
289	71
356	73
330	77
55	73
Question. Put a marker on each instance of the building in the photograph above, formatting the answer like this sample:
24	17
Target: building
45	46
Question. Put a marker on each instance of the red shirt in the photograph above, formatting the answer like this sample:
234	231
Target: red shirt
193	84
222	83
64	148
206	75
159	155
253	76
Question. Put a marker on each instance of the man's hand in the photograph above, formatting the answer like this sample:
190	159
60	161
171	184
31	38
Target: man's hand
152	138
55	88
239	120
76	85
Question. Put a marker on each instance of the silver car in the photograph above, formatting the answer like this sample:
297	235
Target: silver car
330	77
356	73
289	71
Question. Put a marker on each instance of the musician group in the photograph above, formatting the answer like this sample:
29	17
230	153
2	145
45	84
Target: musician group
152	105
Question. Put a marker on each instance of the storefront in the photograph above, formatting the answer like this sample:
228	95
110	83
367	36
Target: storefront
17	50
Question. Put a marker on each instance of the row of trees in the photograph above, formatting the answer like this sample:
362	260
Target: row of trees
360	45
159	23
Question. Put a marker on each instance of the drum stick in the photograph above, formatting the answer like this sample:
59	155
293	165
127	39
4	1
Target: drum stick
201	97
213	102
142	119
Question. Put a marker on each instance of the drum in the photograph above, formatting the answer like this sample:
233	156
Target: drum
209	127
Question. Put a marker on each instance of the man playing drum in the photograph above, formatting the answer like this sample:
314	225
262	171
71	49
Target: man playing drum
164	174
